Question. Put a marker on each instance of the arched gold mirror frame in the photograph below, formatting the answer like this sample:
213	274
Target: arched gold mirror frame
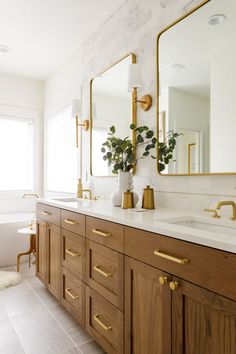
157	95
133	110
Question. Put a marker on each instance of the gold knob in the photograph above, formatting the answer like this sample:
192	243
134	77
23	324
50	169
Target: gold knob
163	280
173	285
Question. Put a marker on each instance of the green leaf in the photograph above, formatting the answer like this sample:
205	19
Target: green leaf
109	154
118	150
104	158
132	126
149	134
146	153
154	140
116	166
113	129
140	138
103	149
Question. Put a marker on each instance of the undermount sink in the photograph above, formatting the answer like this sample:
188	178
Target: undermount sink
68	200
199	224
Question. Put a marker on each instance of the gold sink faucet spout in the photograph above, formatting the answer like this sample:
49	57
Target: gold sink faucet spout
84	191
228	202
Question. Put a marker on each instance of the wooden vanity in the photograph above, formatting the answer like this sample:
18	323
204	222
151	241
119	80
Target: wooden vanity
137	292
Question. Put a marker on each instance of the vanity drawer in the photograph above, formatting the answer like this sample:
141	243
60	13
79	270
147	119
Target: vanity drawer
107	233
73	253
73	222
210	268
104	322
105	272
73	295
48	213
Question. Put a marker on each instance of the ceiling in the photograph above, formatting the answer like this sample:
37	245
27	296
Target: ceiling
43	34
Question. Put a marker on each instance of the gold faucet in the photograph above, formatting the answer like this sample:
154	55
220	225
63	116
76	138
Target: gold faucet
26	195
228	202
85	190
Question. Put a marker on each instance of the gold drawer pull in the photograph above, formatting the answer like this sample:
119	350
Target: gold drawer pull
74	297
72	253
100	323
101	233
45	224
46	213
171	258
173	285
71	222
97	268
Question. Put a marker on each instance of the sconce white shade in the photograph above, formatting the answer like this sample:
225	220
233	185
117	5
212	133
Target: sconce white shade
135	79
76	108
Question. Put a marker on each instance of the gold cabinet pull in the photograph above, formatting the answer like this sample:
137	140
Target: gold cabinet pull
72	253
163	280
173	285
97	269
101	324
71	222
101	233
74	297
171	258
46	213
45	224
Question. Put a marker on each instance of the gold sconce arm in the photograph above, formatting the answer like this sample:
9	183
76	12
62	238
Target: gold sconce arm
84	124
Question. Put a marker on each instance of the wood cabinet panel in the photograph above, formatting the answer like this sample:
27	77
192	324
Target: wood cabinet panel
48	213
221	265
73	222
104	322
105	272
73	253
41	253
53	257
147	310
73	295
106	233
202	322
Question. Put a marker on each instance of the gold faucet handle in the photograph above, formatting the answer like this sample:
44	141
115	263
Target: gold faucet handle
214	211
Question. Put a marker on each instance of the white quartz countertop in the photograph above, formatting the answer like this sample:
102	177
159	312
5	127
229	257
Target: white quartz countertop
159	221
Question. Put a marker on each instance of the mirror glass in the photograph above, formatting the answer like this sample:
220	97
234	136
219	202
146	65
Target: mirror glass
197	96
111	104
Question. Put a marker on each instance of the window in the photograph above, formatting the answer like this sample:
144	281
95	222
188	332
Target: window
16	153
61	156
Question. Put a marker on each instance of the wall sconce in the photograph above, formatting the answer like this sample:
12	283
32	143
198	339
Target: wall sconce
75	113
135	81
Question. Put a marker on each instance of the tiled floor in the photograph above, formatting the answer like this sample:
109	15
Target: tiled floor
32	322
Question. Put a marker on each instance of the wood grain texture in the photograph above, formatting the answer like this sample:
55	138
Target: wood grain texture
147	310
115	241
79	219
109	261
220	276
53	260
41	254
75	306
112	340
202	322
76	244
48	213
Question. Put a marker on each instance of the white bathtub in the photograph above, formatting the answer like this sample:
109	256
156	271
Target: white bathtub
11	242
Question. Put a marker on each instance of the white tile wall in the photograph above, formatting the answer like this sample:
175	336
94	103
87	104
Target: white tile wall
134	28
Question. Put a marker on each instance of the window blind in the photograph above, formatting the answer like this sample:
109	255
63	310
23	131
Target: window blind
16	153
61	155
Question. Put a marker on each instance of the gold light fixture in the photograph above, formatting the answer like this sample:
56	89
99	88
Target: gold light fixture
75	113
135	81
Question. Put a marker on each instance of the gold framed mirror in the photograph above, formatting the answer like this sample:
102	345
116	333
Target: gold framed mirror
195	92
110	105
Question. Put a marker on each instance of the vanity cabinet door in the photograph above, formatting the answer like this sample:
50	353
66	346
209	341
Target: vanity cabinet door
203	322
147	310
53	257
41	253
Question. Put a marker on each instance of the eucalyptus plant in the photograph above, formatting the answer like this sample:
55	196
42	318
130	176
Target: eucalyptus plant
122	154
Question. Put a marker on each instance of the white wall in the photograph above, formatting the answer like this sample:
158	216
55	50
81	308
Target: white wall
23	97
134	28
223	108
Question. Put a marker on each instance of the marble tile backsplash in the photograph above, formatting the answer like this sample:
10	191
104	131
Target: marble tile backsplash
134	28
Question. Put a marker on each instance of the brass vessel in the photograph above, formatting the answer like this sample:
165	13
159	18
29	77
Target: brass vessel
148	198
127	200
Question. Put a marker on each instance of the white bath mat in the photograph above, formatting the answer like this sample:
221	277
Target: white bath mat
9	279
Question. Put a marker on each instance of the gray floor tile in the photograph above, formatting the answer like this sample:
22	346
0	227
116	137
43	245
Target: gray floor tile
9	342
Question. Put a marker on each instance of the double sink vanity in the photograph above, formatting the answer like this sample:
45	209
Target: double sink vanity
147	282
